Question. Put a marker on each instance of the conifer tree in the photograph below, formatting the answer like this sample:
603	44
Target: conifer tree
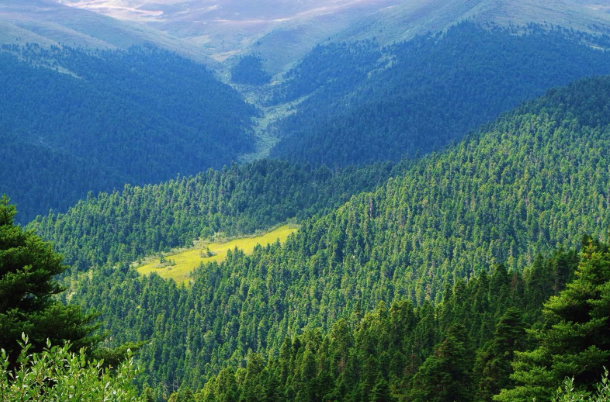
493	365
381	392
576	344
444	376
28	267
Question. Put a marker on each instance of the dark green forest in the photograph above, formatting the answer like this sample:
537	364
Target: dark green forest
459	350
535	180
249	71
368	104
121	227
90	121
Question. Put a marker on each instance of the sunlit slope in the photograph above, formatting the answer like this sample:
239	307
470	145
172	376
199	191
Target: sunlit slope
47	22
419	17
280	31
180	265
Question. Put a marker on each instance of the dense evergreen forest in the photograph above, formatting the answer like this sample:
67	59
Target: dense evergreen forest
459	350
139	221
249	71
89	121
453	239
364	104
535	179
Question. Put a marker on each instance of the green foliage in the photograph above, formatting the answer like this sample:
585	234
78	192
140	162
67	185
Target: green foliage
402	353
58	375
368	104
28	267
140	221
197	331
445	376
518	189
568	392
76	121
576	341
493	366
249	70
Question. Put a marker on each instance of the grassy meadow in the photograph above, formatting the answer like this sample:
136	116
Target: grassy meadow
179	265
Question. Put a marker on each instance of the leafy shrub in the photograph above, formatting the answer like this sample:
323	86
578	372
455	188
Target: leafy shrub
59	375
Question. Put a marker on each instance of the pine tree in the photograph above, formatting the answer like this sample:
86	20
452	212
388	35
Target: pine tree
27	289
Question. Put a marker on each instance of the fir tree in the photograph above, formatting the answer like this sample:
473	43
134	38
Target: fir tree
27	289
444	376
493	365
576	344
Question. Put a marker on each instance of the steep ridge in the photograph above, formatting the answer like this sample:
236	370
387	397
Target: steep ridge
535	179
138	116
364	104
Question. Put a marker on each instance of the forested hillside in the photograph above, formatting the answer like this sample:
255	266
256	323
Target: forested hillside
368	104
535	179
110	118
139	221
459	350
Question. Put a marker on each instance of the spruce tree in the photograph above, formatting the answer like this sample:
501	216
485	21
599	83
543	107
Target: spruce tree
381	392
445	376
493	366
576	343
28	305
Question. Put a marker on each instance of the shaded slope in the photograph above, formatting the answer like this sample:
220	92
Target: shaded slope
366	104
144	115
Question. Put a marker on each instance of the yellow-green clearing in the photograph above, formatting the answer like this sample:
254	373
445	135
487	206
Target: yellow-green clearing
184	262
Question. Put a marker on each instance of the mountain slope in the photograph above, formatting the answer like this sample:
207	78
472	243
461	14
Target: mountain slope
535	179
240	200
280	31
144	115
405	21
360	104
47	22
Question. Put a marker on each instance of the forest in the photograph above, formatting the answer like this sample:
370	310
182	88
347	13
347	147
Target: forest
444	205
533	181
121	227
362	104
92	121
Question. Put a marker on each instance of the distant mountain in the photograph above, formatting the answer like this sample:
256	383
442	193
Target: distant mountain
281	31
357	103
74	122
534	180
47	22
405	21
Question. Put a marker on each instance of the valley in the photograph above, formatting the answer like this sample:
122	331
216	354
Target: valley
305	201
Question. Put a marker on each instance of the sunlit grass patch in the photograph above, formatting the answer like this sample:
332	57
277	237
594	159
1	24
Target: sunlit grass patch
178	266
